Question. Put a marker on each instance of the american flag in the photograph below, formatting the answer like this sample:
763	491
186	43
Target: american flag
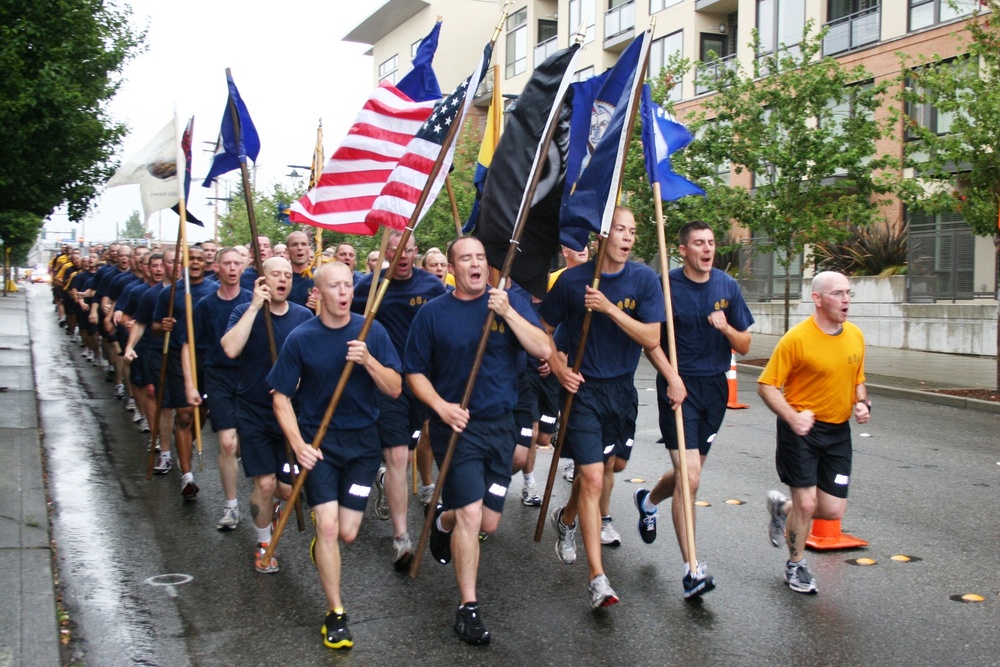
399	197
357	170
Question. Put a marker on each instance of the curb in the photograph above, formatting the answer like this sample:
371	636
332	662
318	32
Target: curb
931	397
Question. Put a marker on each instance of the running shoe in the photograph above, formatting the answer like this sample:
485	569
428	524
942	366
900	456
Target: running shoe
230	518
699	584
601	593
142	425
647	520
799	578
130	403
469	625
335	632
188	488
258	560
109	374
569	471
426	494
119	391
164	464
565	537
529	495
402	552
381	502
609	536
776	526
136	416
440	540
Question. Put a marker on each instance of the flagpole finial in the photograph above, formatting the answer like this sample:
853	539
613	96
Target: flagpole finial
503	19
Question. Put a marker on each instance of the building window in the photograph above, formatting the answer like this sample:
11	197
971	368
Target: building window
925	13
660	53
517	42
584	74
840	114
387	70
780	24
548	42
413	49
582	13
660	5
619	19
763	278
851	24
941	258
924	113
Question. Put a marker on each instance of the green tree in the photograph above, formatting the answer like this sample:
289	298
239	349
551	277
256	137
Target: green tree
61	64
804	127
234	225
959	169
134	229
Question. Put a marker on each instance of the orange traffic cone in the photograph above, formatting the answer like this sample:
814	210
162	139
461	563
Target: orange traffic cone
734	400
826	535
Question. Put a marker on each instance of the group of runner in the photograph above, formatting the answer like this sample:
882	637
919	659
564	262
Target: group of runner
271	348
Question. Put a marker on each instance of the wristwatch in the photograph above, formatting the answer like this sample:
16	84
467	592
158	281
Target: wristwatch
867	403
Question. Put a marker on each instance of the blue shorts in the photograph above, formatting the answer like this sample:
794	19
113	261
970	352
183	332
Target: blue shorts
602	421
480	467
537	401
262	444
703	411
176	396
345	474
399	419
220	386
822	458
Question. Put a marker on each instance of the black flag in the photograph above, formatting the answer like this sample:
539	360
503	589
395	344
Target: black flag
514	162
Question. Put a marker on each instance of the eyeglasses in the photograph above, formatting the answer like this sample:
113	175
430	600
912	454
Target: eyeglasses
840	294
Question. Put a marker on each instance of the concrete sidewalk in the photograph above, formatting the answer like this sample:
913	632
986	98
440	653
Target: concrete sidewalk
29	633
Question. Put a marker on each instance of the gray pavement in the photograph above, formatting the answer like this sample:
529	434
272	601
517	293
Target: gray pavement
29	632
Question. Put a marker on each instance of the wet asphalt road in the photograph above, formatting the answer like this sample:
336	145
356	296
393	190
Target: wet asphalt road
149	581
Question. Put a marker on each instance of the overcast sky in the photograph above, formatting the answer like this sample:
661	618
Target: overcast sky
289	64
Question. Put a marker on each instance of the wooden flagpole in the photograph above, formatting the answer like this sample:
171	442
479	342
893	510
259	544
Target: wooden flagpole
681	475
338	391
155	428
585	330
373	288
454	207
259	267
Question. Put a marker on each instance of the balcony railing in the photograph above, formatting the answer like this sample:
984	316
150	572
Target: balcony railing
619	20
545	49
853	31
708	74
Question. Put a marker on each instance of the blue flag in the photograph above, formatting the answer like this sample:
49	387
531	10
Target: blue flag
591	202
661	136
235	145
420	84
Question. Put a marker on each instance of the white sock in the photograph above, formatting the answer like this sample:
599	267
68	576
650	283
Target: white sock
529	478
647	506
440	527
264	535
231	503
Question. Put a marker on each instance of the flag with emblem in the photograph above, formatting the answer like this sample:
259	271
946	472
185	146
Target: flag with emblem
662	136
354	175
397	203
238	138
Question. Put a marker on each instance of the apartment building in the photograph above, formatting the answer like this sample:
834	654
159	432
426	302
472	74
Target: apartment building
717	33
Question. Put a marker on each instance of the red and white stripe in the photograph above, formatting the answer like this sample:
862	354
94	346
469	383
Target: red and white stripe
357	171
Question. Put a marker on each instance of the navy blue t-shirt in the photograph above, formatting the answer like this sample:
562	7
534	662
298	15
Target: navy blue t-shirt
211	319
301	288
248	277
316	355
103	271
119	283
129	301
401	302
144	314
255	361
104	286
609	353
442	346
198	292
702	350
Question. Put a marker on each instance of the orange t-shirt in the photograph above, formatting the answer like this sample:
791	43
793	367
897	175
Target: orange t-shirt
818	371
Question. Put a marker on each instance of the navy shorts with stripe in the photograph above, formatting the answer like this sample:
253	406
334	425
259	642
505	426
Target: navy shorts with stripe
602	422
262	444
703	411
537	401
220	386
347	470
399	419
822	458
481	465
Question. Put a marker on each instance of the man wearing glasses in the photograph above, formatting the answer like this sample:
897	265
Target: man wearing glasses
820	365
